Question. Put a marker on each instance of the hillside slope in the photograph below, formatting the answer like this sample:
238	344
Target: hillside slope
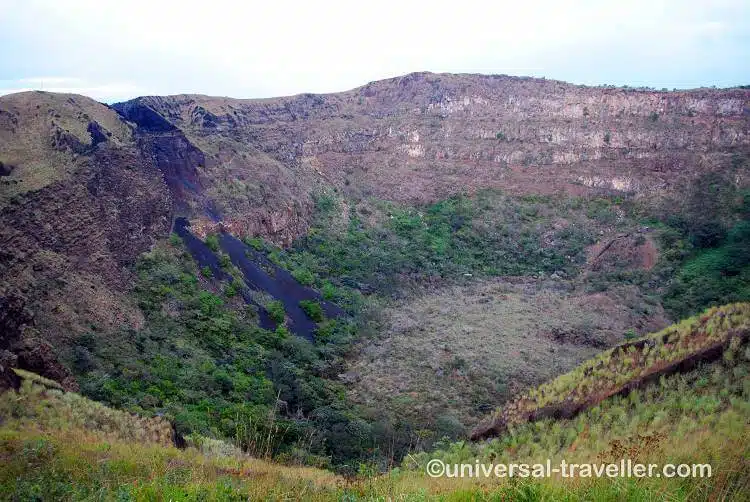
78	203
60	445
627	367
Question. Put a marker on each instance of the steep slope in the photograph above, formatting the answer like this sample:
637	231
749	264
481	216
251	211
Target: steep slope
79	204
627	367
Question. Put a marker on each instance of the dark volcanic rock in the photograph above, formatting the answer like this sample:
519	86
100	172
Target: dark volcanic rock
146	118
259	274
19	348
98	134
6	169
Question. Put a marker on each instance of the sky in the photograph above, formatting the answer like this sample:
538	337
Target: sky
116	50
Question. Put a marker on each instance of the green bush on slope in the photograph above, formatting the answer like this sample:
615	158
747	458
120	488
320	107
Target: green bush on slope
487	234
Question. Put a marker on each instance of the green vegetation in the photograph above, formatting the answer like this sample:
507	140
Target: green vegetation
212	241
61	446
276	311
629	364
487	235
230	290
224	261
210	369
201	361
713	276
325	202
313	310
705	237
303	276
255	243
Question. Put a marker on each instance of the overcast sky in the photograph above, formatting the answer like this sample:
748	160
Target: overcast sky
114	50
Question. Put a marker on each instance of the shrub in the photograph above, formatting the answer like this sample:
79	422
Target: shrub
82	360
206	272
449	426
303	276
313	310
328	291
276	311
255	243
230	289
212	241
325	203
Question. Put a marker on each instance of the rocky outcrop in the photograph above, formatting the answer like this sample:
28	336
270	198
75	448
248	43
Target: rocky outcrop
13	317
424	136
8	379
20	349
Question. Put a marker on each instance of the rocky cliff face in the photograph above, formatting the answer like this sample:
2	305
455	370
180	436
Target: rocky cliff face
85	188
423	136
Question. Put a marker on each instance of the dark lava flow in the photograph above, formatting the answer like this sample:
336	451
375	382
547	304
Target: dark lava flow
203	255
260	274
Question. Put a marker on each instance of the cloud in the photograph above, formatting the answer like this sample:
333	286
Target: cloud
49	80
259	49
108	92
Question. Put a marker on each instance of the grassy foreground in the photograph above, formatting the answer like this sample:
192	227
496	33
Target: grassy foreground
61	446
41	462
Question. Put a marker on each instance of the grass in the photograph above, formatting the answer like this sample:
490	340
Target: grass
39	402
626	365
697	417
